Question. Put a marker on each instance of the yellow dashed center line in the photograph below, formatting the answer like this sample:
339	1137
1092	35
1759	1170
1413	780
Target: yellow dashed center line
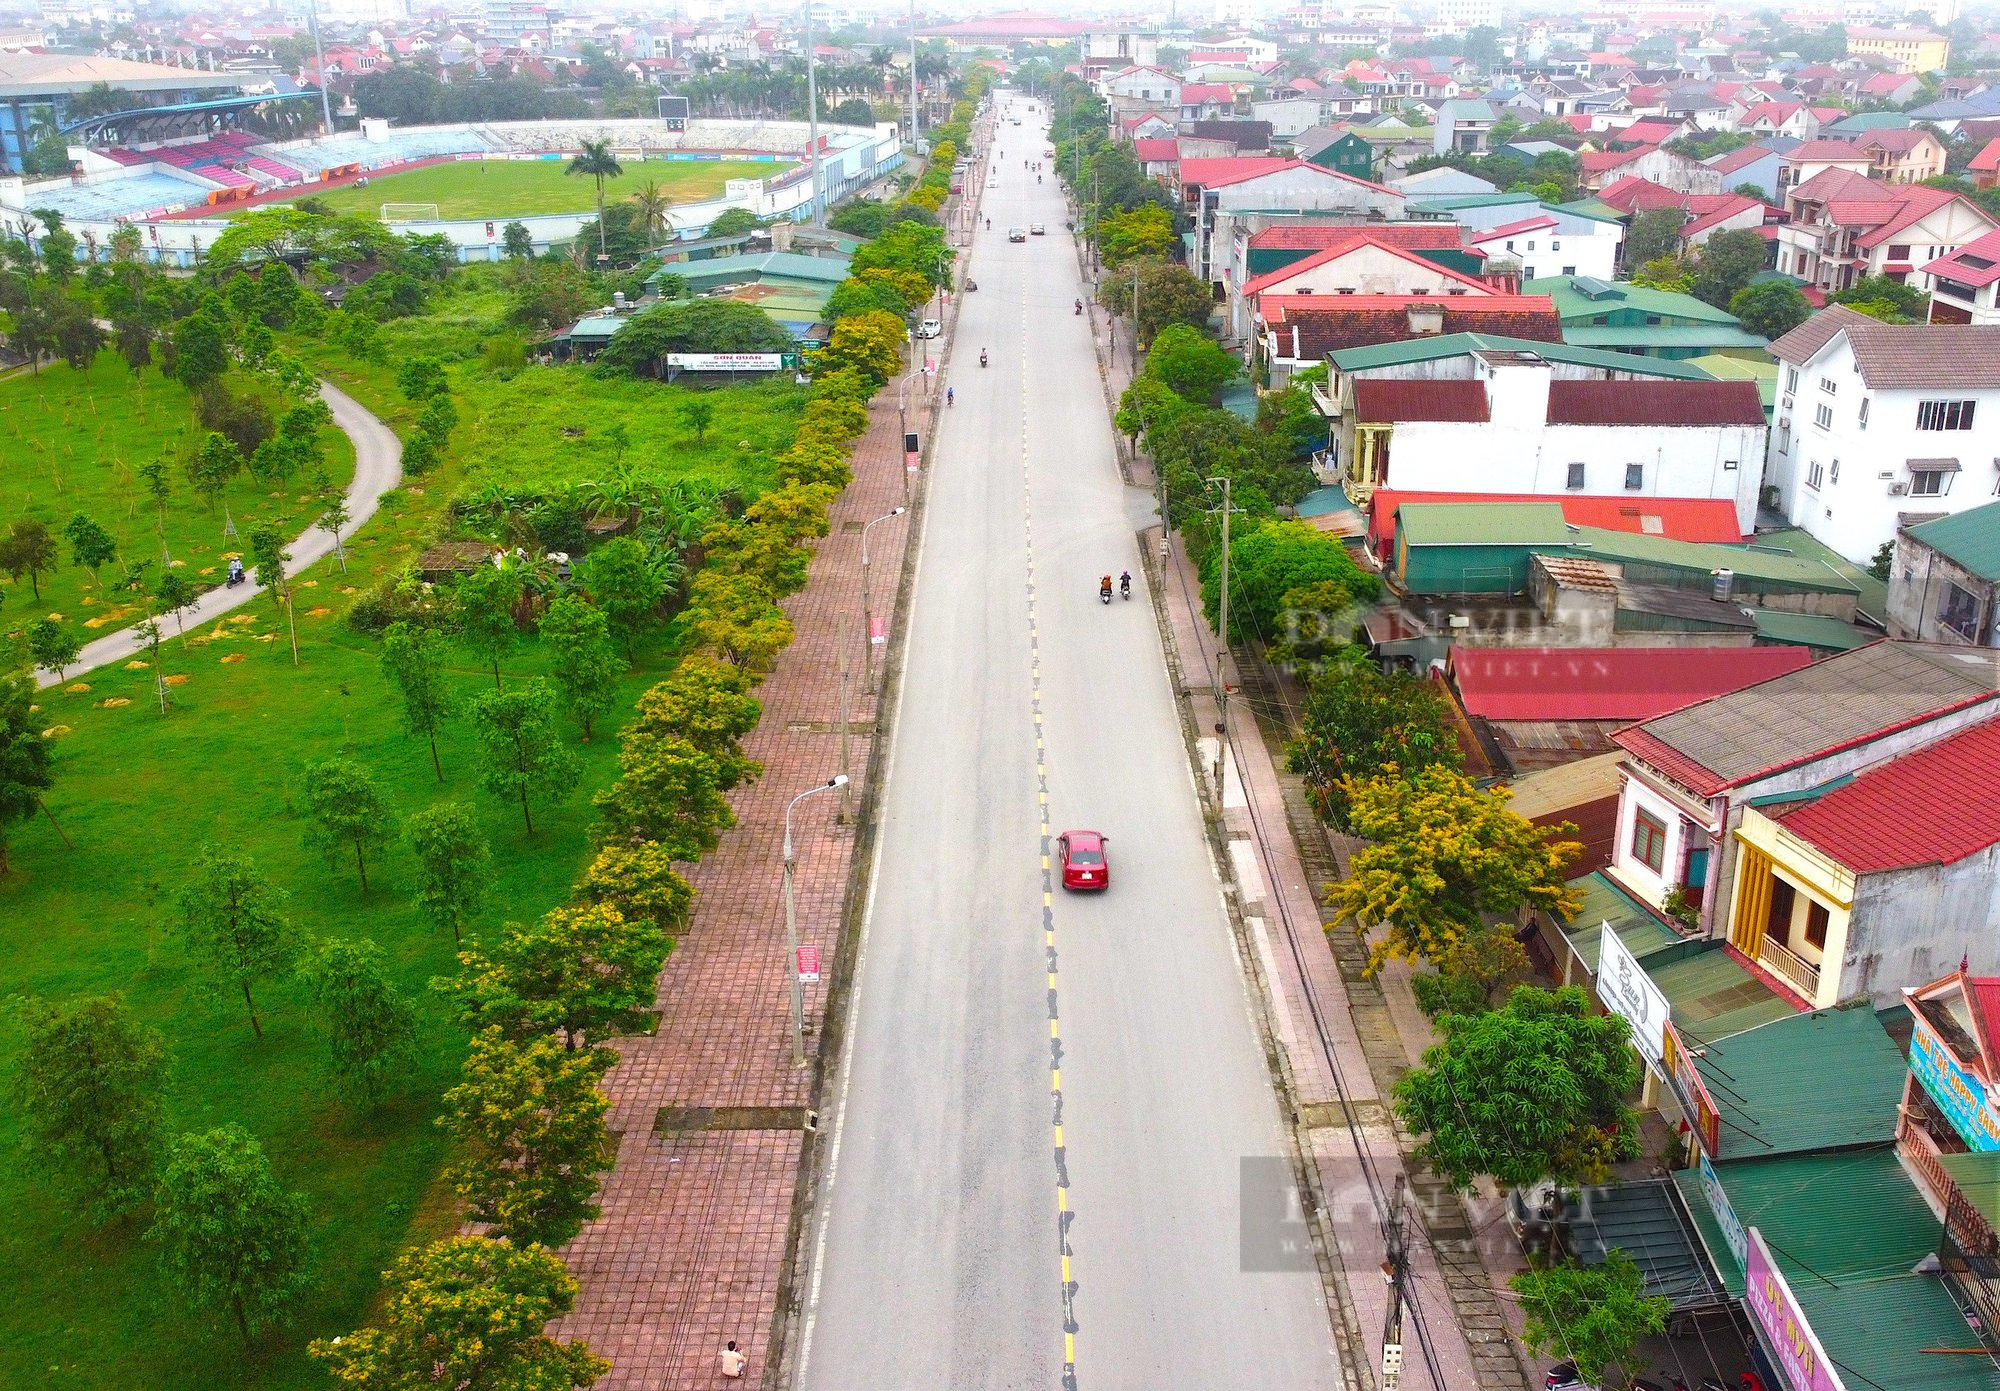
1063	1215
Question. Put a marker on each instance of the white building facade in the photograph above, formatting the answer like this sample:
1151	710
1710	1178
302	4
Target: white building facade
1876	422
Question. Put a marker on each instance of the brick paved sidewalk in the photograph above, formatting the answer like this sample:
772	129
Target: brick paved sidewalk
691	1247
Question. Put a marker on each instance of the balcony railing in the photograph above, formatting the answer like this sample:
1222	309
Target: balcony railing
1782	961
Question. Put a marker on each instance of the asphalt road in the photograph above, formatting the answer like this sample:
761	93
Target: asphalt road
940	1252
378	467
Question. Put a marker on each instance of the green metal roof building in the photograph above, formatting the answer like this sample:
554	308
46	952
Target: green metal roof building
1473	547
1458	344
1628	318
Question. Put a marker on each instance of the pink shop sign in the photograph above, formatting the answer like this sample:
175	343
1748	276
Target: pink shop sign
1803	1361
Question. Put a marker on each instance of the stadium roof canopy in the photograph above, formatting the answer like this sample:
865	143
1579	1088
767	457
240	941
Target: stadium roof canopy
37	75
164	122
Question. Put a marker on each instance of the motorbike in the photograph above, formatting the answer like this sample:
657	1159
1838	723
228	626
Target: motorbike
982	357
236	575
1079	306
1104	591
971	285
1125	586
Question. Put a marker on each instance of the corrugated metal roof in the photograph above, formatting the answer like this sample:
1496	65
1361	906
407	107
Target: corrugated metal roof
1935	805
1574	302
1607	905
1391	400
1706	336
1857	1083
1482	524
1807	714
1655	403
1852	1278
1681	518
1972	539
1397	353
1809	630
1713	995
1746	562
1607	683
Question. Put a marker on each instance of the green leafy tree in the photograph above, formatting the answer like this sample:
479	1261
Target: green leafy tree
211	467
516	241
1771	309
370	1028
201	351
595	161
1728	261
234	925
587	971
346	812
708	704
1594	1315
413	658
269	557
625	585
1531	1091
28	548
669	792
86	1089
698	411
483	603
1272	564
232	1239
454	866
639	881
1192	365
1653	235
643	341
1444	855
467	1312
532	1115
421	379
1880	566
522	749
1888	300
90	545
26	770
1144	231
54	645
583	662
1360	723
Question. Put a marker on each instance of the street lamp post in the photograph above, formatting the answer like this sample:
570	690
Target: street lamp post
792	924
867	610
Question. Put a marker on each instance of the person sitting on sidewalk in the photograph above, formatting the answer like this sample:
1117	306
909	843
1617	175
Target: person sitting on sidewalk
733	1362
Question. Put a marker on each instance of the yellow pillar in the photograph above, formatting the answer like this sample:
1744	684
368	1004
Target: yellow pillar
1753	900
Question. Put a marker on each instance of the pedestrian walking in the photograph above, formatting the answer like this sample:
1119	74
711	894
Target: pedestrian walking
733	1362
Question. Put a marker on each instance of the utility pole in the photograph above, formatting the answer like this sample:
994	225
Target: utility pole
792	924
1396	1270
913	74
846	790
325	106
1135	316
812	112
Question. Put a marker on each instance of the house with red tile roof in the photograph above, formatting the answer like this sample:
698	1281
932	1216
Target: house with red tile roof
1147	125
1299	331
1695	779
1881	882
1965	286
1843	225
1792	118
1220	194
1159	157
1358	265
1984	167
1660	166
1704	214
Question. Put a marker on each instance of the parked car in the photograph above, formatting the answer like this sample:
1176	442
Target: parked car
929	328
1084	866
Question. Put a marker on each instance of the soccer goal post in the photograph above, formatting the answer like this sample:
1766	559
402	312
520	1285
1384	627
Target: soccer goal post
410	212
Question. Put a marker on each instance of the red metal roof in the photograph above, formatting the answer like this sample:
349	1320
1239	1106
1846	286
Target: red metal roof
1193	92
1987	161
1320	258
1676	518
1934	806
1388	399
1328	323
1157	150
1526	224
1228	169
1608	683
1655	403
1965	264
1322	236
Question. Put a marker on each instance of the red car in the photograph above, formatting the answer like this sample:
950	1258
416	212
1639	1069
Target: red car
1081	854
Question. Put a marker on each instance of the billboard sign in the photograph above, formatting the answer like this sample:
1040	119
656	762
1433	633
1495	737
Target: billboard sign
730	362
1627	991
1725	1214
1958	1092
1801	1360
1695	1100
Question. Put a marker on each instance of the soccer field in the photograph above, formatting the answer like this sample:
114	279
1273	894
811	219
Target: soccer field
523	188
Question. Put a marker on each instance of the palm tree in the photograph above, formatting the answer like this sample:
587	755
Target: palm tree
597	162
653	203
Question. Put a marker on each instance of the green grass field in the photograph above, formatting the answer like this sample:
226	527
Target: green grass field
74	441
138	792
523	188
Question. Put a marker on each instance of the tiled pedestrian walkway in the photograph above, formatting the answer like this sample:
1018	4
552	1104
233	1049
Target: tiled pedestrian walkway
693	1240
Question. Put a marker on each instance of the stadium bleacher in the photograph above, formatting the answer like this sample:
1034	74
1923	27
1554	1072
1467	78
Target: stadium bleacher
119	198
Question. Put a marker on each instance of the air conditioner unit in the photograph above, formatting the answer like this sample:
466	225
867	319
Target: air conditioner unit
1886	474
1898	489
1787	403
